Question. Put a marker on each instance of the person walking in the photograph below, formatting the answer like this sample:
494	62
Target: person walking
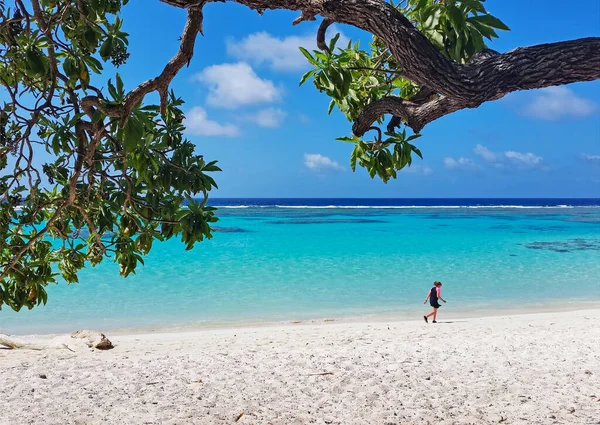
433	296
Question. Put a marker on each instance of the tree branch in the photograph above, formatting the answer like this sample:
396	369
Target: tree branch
378	17
161	83
415	115
321	34
499	74
489	76
531	67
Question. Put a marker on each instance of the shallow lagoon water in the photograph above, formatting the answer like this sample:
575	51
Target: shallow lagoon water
283	260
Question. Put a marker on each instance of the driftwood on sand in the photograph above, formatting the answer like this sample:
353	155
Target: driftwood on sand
85	338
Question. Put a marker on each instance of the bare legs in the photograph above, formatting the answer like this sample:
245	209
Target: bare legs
433	313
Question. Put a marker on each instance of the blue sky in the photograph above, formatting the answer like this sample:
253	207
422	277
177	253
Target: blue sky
274	139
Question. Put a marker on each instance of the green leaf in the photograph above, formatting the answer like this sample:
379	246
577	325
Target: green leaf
106	48
413	137
91	36
320	56
484	30
474	5
98	116
132	134
347	139
211	167
420	5
338	81
476	39
120	86
112	91
308	56
333	42
94	64
353	158
84	74
331	105
71	69
436	38
490	21
325	82
42	295
37	62
456	17
372	169
307	76
458	51
347	82
433	14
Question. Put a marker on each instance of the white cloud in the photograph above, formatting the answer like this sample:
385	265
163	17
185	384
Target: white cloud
197	123
269	118
280	54
508	158
592	158
232	85
318	162
553	103
527	159
422	170
485	153
459	163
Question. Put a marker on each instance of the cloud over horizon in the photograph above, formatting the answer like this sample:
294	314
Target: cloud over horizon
461	163
507	158
318	162
528	159
485	153
590	157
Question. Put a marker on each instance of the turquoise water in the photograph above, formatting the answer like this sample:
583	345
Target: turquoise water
278	264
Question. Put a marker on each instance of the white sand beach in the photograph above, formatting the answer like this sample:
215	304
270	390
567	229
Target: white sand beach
528	369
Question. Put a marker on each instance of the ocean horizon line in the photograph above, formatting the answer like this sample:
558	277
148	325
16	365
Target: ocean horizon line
403	203
403	198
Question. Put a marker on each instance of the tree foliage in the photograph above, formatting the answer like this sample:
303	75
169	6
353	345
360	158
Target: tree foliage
354	78
118	174
116	182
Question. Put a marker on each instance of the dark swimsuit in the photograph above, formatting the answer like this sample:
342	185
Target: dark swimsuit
433	298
